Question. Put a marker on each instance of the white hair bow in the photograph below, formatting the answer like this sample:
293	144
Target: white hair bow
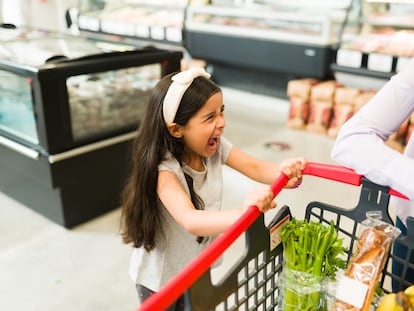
181	82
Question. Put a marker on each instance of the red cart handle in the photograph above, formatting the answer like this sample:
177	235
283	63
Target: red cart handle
341	174
195	269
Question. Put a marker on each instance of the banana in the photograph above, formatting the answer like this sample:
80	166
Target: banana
388	303
404	301
401	301
409	290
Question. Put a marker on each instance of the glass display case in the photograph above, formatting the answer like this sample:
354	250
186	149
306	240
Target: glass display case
269	39
275	22
154	21
376	41
84	90
69	108
16	107
106	102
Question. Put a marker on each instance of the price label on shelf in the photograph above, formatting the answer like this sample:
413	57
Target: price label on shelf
173	34
402	62
142	31
349	58
157	33
118	27
88	23
380	62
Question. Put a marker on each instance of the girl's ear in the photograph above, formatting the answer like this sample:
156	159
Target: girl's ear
175	130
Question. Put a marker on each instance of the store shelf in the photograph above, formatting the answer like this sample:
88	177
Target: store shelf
265	23
154	23
377	39
279	40
262	44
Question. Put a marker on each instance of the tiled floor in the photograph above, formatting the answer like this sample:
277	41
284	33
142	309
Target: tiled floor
44	267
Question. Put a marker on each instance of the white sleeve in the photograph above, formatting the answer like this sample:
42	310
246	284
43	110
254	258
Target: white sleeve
360	142
226	147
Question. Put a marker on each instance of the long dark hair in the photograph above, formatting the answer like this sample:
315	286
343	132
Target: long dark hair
141	220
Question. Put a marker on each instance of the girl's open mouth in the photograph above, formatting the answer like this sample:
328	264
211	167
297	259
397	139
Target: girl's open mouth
213	142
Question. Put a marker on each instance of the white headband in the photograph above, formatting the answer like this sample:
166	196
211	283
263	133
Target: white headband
181	82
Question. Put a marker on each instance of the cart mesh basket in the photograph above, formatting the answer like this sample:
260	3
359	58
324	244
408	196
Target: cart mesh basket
373	198
252	283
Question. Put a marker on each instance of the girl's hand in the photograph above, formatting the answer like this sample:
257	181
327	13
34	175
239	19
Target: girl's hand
262	198
292	168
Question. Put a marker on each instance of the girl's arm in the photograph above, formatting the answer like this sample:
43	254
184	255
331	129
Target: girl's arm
200	222
266	171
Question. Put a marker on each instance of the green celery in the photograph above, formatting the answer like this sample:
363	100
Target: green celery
311	248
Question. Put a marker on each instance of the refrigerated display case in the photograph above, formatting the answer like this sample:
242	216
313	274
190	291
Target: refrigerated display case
69	109
156	22
376	41
267	38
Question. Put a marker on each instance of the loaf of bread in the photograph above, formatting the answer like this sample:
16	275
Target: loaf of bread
366	265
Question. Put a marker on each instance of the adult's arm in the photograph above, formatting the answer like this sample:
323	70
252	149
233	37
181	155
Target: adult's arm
361	146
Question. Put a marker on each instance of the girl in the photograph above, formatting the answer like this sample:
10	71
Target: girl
171	204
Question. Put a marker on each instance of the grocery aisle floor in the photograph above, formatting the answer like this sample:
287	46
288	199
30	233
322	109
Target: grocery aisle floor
44	267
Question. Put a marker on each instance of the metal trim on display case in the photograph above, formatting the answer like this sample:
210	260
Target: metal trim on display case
19	148
91	147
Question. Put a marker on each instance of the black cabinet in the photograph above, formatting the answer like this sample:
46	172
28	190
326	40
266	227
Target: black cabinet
69	109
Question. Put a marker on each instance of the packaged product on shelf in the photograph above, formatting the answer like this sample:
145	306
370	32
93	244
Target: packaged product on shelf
343	108
394	143
324	91
356	288
301	88
410	128
345	95
362	98
299	92
298	113
397	139
320	107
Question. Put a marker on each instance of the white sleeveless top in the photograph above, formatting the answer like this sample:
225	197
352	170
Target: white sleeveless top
155	268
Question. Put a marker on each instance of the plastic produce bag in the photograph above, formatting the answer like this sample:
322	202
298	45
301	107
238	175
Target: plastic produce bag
301	291
312	254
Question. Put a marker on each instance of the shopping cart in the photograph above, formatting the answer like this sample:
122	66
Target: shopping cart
253	282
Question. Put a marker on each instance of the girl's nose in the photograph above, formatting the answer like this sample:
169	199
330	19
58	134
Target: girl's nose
221	122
